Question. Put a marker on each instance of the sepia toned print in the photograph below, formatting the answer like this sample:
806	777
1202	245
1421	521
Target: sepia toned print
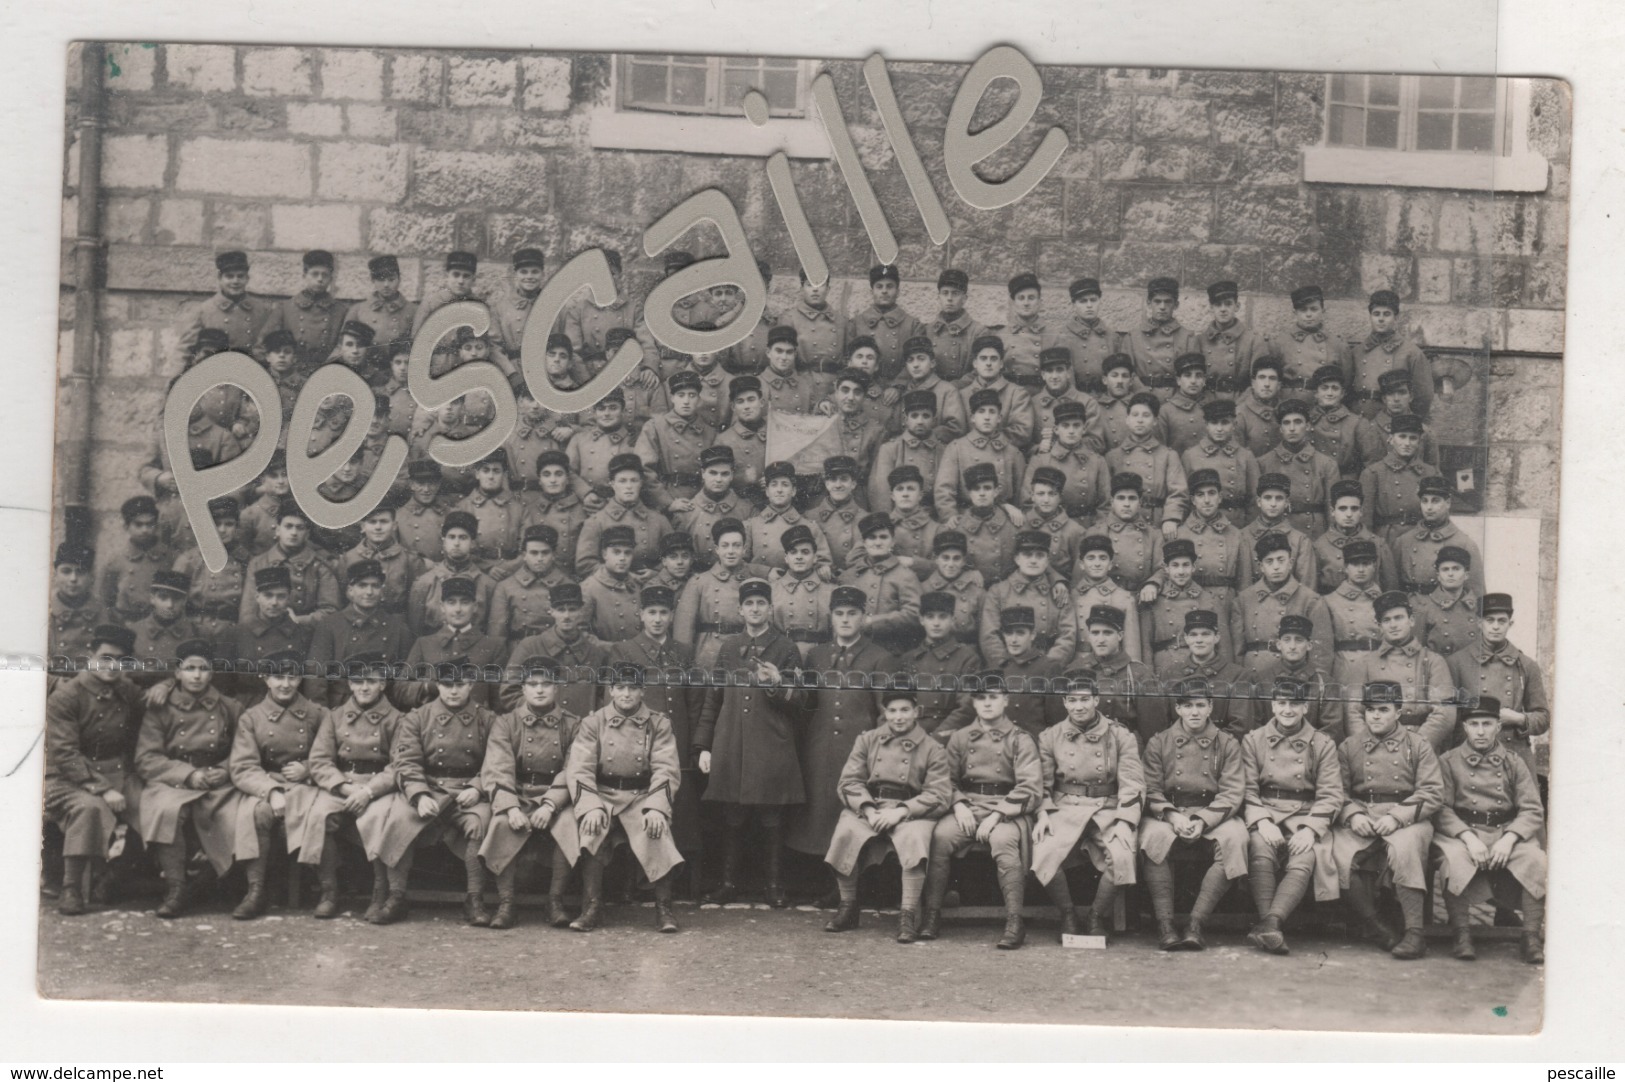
1138	556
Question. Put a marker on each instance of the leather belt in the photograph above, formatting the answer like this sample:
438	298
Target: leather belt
705	627
453	781
1297	383
1086	788
1473	817
1386	796
1356	644
986	788
627	783
1228	384
1025	379
1159	645
1254	645
802	634
1190	798
1232	503
681	479
886	790
536	777
97	753
1275	792
1405	518
1411	586
1215	582
1160	382
1359	396
201	760
369	766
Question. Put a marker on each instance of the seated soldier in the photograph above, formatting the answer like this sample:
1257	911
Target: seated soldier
1293	785
1093	784
1392	781
523	777
622	773
895	787
350	759
1194	789
997	783
1488	832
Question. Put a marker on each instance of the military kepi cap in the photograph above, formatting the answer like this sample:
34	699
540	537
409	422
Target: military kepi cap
117	636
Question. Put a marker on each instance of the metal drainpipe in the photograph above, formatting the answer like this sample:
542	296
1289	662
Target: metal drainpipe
75	417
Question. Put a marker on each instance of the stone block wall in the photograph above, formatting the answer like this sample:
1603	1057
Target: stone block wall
1195	174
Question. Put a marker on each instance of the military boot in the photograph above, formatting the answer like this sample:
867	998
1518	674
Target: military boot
254	901
1013	885
380	892
845	918
733	852
172	862
1365	910
1534	930
506	888
1461	945
71	903
908	921
474	910
1267	936
327	873
665	919
592	895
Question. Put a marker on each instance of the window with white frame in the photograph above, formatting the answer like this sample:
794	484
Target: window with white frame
695	104
1443	131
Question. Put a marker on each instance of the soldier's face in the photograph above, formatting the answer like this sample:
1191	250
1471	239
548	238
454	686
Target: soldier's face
193	675
1405	444
1032	562
937	625
1481	733
1180	570
1117	380
901	715
799	557
1194	713
950	563
1203	641
1397	401
1017	640
780	491
387	286
618	558
540	693
846	621
1273	503
454	693
919	365
1207	500
1381	718
351	350
748	406
317	279
983	494
72	581
292	533
678	563
1057	378
985	420
568	619
1452	575
840	486
1224	311
424	492
755	611
142	530
627	698
1292	647
1397	624
906	496
656	620
1276	567
814	295
1104	639
987	364
1125	503
865	359
398	364
491	476
990	705
458	611
1266	384
456	543
878	544
685	402
1289	712
951	299
1495	626
1435	508
272	603
553	480
1360	573
281	361
538	557
1346	512
282	687
1069	433
349	471
731	548
556	362
460	282
1294	426
166	604
1096	564
628	487
1192	382
608	414
1309	316
1046	499
528	278
1329	394
1160	307
1025	302
104	663
234	283
1383	318
378	527
1081	706
1140	419
1220	431
884	293
782	357
1086	306
366	690
365	593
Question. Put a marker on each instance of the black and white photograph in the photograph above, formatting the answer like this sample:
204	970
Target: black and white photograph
1084	535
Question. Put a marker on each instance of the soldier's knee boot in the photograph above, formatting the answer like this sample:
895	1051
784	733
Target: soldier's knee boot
776	896
1461	916
1411	945
327	872
71	902
1013	886
592	894
733	852
936	885
1060	894
665	919
507	885
1101	908
253	903
1261	878
556	916
1534	929
1362	900
380	891
474	910
172	862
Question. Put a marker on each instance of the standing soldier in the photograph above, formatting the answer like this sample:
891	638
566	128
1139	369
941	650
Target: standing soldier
75	613
1308	347
749	755
1392	484
1310	474
461	267
313	588
460	636
671	444
588	323
126	576
610	591
1025	331
1416	551
1294	791
1085	335
387	312
820	336
952	330
696	515
1229	344
1296	659
1220	559
1430	696
894	787
1274	505
1385	349
1234	466
1496	669
92	793
746	436
1258	609
801	598
1392	781
891	591
837	514
350	759
419	519
1095	588
623	774
577	650
915	447
244	317
425	605
626	508
1352	441
1093	788
1181	420
707	610
764	531
1447	615
940	655
182	756
1033	585
524	779
885	321
438	754
361	627
1086	478
496	510
381	543
1194	790
520	602
1354	625
510	308
312	315
1488	832
1163	624
1228	691
1256	429
1347	527
786	388
1159	338
837	717
997	783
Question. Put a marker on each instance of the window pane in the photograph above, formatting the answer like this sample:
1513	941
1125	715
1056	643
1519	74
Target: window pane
1382	128
1476	132
1343	91
1347	127
1437	91
780	88
734	84
696	60
688	86
648	84
770	62
1433	131
1477	93
1383	90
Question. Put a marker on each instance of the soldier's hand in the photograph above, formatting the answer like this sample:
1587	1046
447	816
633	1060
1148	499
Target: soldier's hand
1018	518
680	507
1193	828
891	817
279	803
966	821
158	694
1476	849
1501	851
826	408
985	831
1180	822
889	396
592	501
517	821
594	822
1148	593
357	799
427	807
654	824
115	801
467	797
1271	833
1041	827
215	777
767	672
705	762
646	379
826	573
1513	719
561	434
1386	825
296	771
1362	826
1303	840
1169	530
541	817
473	828
195	780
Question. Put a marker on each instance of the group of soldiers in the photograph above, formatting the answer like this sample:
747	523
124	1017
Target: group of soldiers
1061	590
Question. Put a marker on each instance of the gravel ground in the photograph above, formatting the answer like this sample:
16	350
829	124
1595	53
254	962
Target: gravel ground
755	961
